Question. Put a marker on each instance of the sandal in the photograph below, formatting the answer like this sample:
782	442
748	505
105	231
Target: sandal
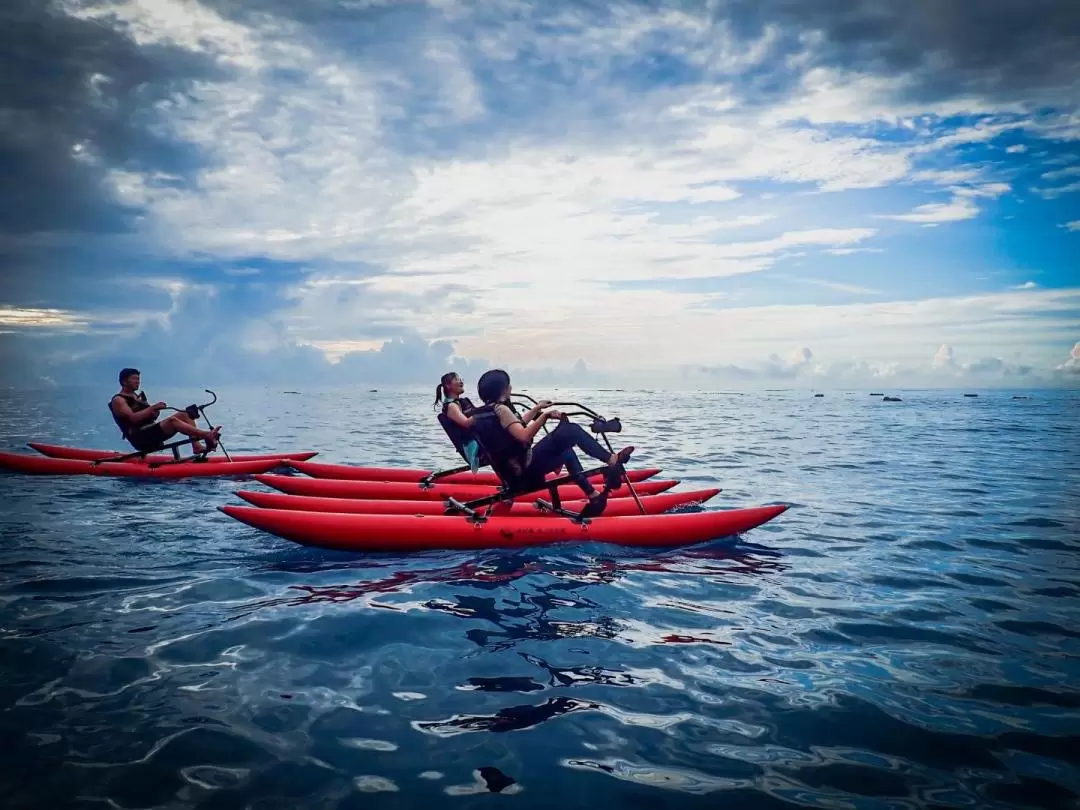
596	506
614	472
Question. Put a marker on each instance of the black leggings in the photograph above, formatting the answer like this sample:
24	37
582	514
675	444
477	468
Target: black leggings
556	449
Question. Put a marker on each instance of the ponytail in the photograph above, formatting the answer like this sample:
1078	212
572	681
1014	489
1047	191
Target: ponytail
440	389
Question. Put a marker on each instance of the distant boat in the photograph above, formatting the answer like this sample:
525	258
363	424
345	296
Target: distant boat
290	392
892	399
819	395
1021	397
877	395
970	395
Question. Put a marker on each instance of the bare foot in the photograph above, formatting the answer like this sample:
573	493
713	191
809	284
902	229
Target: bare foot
212	439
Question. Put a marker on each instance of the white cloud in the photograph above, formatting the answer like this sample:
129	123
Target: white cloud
510	242
1016	149
958	209
1072	365
1073	226
944	357
903	331
961	207
989	190
839	286
1059	174
34	318
1027	285
851	251
1057	191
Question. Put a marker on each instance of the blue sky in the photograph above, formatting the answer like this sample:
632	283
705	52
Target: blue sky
853	193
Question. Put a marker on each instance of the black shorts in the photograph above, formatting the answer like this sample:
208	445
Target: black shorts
148	438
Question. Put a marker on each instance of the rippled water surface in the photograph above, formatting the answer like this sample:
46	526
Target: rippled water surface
905	636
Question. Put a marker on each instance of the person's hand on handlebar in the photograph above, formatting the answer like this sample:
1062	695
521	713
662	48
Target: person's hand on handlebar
554	415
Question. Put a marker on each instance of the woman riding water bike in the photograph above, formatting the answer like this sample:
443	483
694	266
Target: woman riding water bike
508	441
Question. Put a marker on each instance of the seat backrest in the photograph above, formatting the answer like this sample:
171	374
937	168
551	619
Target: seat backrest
487	425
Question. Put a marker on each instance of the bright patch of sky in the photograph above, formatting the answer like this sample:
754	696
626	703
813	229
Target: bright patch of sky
738	194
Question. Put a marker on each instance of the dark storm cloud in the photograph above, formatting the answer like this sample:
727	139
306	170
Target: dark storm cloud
998	49
65	84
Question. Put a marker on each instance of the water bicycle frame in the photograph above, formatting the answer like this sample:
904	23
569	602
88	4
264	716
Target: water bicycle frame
191	410
471	509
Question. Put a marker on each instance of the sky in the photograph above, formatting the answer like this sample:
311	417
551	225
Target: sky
697	194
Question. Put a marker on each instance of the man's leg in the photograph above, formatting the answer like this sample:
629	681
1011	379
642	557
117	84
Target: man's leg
182	423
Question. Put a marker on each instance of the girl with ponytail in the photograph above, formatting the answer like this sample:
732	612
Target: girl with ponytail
448	394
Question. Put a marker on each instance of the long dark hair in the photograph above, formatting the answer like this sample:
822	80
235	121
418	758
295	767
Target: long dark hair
440	389
491	385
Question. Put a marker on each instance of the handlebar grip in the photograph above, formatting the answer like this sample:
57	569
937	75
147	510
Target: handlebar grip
606	425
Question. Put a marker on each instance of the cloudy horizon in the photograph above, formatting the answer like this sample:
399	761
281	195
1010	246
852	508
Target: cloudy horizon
844	193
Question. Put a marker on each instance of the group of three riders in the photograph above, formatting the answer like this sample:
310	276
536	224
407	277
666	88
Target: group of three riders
496	427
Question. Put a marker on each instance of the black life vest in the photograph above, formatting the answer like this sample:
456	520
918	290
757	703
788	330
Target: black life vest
137	402
508	456
459	435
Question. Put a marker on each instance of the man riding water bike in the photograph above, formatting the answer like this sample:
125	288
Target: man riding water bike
137	419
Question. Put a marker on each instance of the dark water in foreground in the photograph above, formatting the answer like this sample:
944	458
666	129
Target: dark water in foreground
905	636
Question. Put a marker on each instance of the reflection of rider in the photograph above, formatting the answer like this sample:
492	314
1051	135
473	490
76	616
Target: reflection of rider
136	418
508	438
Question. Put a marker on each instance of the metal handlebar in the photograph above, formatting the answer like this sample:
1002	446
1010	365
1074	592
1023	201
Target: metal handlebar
600	426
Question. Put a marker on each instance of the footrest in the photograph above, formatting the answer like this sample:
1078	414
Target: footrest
576	517
455	507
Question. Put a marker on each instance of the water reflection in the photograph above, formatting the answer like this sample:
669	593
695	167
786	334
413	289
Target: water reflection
511	718
497	570
554	587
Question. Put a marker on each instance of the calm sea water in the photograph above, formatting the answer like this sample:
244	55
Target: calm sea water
906	635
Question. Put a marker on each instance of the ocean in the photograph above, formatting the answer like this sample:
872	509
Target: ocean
906	635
